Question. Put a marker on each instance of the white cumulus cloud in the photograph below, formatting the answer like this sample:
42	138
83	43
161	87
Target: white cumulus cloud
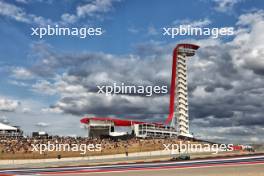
8	104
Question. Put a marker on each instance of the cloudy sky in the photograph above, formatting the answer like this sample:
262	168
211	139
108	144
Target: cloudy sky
50	83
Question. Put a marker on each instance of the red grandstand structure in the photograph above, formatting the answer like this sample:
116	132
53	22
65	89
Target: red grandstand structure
177	122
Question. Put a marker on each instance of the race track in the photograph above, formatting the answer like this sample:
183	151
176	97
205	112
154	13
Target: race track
248	165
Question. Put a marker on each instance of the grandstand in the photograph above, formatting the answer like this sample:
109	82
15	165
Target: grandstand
10	131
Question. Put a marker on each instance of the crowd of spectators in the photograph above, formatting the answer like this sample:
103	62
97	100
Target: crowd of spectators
13	145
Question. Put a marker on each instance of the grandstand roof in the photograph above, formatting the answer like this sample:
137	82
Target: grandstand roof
117	122
6	127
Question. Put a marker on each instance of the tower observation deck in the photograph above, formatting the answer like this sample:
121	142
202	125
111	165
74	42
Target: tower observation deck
178	116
